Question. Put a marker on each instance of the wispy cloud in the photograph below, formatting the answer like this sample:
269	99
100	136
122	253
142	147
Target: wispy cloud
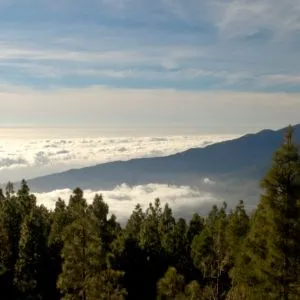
203	44
196	51
247	18
281	79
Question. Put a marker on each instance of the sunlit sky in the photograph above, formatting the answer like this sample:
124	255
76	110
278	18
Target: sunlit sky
218	66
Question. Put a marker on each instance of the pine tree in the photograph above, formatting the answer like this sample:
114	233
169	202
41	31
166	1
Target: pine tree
129	256
9	190
107	229
193	291
166	227
171	286
5	251
202	253
30	277
15	208
154	261
209	250
236	231
106	286
181	251
81	253
196	225
270	265
60	219
149	234
134	222
27	201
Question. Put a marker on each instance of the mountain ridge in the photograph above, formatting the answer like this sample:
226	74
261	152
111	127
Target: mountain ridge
250	154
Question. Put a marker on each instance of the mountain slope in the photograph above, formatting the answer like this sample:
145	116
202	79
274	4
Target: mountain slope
243	158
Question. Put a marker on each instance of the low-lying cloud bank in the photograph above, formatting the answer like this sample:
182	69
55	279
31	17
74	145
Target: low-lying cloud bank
184	200
36	157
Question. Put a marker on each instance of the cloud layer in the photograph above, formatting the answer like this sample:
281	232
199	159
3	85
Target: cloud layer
184	200
34	157
98	106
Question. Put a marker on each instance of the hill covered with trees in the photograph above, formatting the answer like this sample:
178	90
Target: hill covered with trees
80	251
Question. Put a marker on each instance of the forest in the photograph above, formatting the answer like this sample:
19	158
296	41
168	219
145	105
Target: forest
79	251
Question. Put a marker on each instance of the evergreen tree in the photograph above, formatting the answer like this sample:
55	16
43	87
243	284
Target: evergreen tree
106	286
9	190
4	249
107	229
181	251
134	222
30	277
270	265
171	286
60	219
129	256
2	197
236	231
166	227
202	253
209	251
27	201
193	291
196	225
149	234
81	252
15	208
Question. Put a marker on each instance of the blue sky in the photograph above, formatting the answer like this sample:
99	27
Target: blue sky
204	52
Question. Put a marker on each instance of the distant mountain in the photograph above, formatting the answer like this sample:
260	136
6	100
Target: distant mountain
243	159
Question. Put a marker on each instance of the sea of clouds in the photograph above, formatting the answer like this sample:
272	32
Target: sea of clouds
184	200
28	158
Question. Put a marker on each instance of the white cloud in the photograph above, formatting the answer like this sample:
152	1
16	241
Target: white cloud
12	52
171	70
8	162
102	106
184	200
239	18
29	157
282	79
208	181
170	56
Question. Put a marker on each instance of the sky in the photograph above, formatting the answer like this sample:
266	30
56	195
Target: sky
222	66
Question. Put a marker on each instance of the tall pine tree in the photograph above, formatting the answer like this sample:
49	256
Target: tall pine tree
81	252
270	265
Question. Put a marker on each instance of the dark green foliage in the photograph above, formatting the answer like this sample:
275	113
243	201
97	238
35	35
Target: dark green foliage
195	227
30	278
209	251
236	231
80	251
272	248
171	286
106	286
4	247
193	291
